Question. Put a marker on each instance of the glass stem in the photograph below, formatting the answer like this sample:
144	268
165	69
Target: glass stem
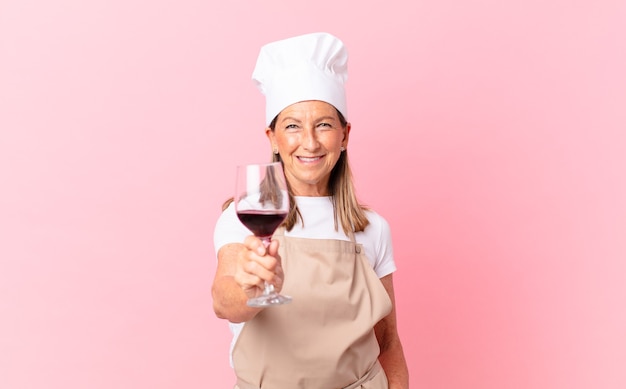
269	288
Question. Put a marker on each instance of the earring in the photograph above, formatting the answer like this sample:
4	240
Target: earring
276	151
342	149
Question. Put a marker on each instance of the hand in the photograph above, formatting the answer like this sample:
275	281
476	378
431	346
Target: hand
257	264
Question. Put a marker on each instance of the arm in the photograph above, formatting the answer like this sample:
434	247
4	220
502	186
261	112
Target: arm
241	270
391	354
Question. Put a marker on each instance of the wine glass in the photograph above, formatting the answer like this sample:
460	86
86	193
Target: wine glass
262	203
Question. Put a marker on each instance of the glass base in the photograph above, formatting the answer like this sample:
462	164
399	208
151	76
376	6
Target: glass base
268	300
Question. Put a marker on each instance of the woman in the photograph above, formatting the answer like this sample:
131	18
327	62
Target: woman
333	256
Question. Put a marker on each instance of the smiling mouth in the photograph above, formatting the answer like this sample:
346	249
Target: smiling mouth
309	159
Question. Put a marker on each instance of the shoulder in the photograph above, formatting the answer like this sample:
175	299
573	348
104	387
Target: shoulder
378	224
377	232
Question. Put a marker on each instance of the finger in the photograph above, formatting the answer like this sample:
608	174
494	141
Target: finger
273	248
255	244
248	281
278	278
261	267
267	261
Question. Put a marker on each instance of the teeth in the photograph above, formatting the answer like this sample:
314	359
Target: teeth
309	159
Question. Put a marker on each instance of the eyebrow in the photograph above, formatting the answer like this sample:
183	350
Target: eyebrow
286	118
328	117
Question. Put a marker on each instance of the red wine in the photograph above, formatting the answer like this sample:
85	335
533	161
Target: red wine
261	223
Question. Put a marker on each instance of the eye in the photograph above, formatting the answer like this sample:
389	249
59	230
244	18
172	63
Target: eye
291	127
324	125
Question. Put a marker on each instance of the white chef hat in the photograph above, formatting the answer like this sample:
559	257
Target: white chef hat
306	67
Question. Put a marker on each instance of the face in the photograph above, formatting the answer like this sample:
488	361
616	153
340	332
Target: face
309	137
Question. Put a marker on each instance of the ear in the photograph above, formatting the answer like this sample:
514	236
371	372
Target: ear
271	137
346	135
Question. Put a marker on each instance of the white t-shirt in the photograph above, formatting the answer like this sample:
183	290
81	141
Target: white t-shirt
319	223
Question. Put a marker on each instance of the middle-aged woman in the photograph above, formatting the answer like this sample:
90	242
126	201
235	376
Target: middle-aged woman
332	255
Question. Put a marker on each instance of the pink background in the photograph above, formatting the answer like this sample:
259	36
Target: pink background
491	135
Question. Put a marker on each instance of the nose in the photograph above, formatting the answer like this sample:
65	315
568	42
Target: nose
309	141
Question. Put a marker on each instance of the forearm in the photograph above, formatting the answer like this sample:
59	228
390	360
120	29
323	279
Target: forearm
391	354
394	364
229	301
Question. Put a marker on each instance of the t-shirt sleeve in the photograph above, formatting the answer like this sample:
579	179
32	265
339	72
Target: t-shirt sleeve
384	263
229	229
